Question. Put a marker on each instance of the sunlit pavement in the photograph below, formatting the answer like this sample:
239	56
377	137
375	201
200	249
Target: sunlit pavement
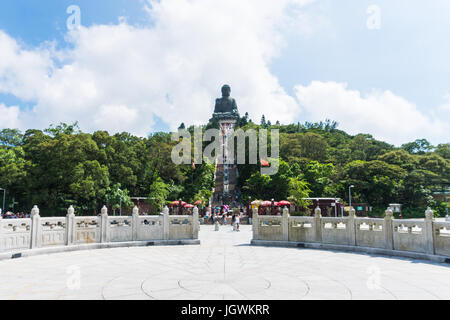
224	266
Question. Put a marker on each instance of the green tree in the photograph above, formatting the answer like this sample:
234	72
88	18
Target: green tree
116	196
443	150
159	190
298	190
420	146
263	121
376	182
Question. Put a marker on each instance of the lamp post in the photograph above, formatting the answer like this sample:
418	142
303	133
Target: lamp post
249	210
350	195
4	197
120	210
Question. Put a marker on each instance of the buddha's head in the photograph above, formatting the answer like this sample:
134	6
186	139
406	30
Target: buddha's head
226	90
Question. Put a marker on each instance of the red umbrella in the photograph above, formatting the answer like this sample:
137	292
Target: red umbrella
266	203
283	203
265	163
177	203
188	205
198	202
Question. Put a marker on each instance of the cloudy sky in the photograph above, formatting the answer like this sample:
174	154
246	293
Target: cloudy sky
380	67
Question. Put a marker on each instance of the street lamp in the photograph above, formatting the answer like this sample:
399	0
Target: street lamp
350	195
249	210
4	197
120	211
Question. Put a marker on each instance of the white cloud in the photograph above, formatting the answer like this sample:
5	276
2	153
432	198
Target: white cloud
117	77
446	106
9	116
381	113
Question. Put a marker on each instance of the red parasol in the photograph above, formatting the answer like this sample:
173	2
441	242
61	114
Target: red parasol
177	203
264	163
198	202
188	205
283	203
266	203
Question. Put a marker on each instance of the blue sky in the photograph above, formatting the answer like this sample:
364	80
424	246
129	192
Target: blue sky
408	55
321	63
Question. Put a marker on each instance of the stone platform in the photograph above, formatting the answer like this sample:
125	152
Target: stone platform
224	266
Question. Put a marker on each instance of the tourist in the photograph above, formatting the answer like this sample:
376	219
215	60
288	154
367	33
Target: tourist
236	222
233	221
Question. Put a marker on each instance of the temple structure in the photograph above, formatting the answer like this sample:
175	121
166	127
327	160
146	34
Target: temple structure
225	189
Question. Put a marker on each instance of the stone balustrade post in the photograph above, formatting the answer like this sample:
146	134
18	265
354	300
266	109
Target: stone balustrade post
318	224
35	228
428	231
104	225
255	224
388	229
285	224
70	226
135	223
351	227
195	223
166	225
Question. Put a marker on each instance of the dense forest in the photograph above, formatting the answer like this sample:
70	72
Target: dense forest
62	166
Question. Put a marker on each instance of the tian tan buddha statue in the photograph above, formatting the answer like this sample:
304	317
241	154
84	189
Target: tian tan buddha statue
226	106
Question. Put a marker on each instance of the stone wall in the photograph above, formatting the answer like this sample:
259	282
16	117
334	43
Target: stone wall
420	236
38	232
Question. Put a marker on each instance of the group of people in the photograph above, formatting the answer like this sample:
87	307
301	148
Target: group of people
222	215
11	215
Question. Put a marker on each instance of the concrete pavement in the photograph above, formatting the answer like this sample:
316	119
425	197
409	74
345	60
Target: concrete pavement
224	266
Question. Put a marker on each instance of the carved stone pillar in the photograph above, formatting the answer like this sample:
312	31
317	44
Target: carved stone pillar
135	223
318	224
195	224
104	225
285	224
166	222
351	228
70	226
255	224
35	228
428	231
388	229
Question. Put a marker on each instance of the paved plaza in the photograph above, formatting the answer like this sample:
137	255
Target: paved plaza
224	266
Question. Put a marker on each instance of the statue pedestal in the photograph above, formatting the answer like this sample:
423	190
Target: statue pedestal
226	171
226	116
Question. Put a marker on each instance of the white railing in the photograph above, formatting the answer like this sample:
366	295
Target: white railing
38	232
421	236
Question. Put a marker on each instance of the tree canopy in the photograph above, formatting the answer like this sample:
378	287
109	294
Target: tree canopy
62	166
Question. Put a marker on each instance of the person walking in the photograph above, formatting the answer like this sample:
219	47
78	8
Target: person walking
233	221
224	217
236	222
